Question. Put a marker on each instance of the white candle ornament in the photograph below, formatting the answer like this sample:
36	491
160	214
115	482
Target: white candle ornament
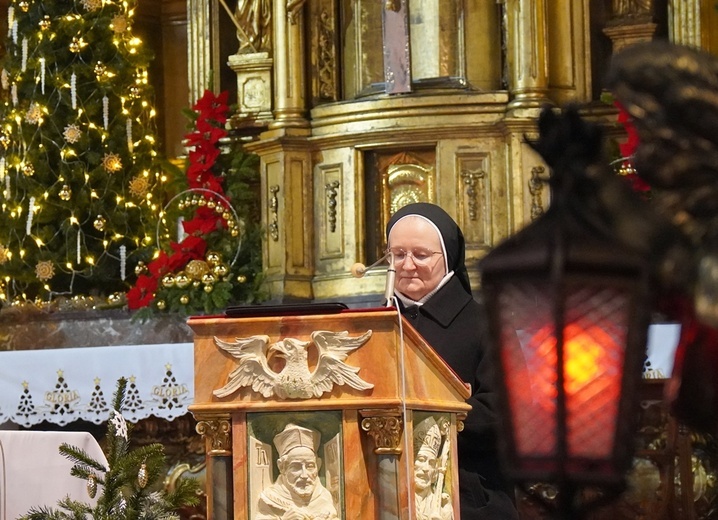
23	59
105	112
79	245
42	75
14	32
123	262
129	134
10	19
73	90
30	214
13	94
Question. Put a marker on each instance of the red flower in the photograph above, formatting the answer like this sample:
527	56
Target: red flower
212	107
204	222
627	148
159	265
142	293
191	248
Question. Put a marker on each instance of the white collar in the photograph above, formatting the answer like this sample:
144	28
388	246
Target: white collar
409	302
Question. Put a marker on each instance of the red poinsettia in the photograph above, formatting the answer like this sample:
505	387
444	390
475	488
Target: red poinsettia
628	148
203	159
142	293
205	221
212	107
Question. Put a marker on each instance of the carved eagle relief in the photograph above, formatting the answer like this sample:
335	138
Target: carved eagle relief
295	380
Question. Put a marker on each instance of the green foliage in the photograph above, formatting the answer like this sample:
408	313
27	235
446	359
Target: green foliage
79	176
125	489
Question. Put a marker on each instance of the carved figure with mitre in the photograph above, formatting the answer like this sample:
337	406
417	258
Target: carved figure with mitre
430	459
297	493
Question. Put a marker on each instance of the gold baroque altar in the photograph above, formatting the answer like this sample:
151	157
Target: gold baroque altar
356	107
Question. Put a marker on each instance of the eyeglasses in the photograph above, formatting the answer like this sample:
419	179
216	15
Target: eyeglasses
419	255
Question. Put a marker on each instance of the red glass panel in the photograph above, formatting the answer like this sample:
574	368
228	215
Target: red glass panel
594	342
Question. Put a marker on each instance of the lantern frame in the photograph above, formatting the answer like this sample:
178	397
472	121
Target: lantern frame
567	259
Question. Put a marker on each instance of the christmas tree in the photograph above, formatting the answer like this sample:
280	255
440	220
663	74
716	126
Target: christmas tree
127	487
80	180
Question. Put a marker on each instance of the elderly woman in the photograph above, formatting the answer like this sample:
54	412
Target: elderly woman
434	294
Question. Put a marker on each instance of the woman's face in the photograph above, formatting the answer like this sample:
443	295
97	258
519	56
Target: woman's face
412	234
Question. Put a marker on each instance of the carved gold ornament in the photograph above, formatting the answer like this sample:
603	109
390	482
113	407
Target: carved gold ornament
72	133
295	380
44	270
112	163
139	186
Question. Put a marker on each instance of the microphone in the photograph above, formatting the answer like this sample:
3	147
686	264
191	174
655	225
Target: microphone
358	270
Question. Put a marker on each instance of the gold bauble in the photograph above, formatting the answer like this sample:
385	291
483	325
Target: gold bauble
241	278
193	201
75	46
92	485
202	202
4	140
168	280
100	69
213	258
211	204
140	268
208	288
208	278
161	305
226	215
182	280
234	232
28	169
45	23
24	6
220	270
196	268
181	204
184	299
65	192
196	283
134	92
99	224
142	476
219	209
114	298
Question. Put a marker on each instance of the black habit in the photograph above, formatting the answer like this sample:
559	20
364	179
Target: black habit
453	323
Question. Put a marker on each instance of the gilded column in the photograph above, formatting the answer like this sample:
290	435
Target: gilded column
289	72
684	22
217	432
199	46
527	53
286	166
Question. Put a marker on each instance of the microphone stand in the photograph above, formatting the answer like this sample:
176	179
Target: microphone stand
358	270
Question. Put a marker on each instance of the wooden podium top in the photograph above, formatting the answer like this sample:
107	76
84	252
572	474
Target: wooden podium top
272	363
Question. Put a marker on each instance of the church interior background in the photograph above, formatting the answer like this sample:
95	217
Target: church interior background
358	107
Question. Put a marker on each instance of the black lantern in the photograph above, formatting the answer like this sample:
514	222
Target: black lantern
568	306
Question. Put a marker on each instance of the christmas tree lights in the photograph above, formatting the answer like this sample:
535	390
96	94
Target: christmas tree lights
79	174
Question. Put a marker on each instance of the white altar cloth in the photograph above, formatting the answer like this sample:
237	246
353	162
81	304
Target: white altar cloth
67	384
33	473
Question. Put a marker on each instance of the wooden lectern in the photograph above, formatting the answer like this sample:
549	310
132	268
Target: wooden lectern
349	415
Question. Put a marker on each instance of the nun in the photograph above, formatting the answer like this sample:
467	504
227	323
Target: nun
434	294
